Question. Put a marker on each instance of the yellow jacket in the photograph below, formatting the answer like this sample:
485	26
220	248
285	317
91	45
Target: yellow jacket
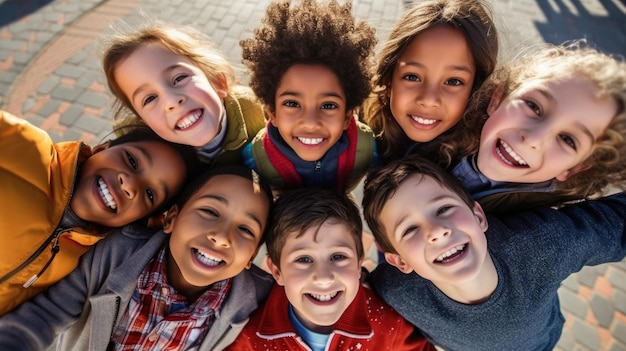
36	182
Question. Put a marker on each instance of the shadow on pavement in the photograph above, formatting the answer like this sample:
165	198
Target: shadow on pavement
604	32
13	10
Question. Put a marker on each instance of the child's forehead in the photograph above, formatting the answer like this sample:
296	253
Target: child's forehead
330	232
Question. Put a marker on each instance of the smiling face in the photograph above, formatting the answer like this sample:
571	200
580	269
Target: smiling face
127	182
431	83
435	233
216	234
320	271
542	131
311	110
172	95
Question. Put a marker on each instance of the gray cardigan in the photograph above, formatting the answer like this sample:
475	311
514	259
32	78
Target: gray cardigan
82	310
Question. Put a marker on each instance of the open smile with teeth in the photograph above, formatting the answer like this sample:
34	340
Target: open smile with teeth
310	141
421	120
325	297
106	196
207	259
508	155
189	120
451	254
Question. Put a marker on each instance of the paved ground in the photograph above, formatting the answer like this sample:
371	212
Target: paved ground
50	75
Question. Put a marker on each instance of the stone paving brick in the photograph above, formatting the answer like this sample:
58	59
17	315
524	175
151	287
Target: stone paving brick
586	335
602	309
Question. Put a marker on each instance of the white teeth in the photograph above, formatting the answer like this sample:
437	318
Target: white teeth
324	298
310	141
208	259
421	120
511	153
106	194
189	120
450	252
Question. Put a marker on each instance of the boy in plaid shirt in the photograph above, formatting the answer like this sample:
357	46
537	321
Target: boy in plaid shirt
188	286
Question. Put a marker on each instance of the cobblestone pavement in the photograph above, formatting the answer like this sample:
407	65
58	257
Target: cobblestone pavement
50	75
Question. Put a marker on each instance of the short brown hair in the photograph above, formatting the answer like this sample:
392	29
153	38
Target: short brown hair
299	210
381	185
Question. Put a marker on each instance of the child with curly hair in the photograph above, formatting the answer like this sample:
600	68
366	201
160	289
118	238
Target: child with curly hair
173	79
310	66
437	55
549	128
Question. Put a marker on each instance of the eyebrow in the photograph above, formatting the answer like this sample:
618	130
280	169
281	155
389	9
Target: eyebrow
225	202
150	162
583	128
295	93
453	67
145	85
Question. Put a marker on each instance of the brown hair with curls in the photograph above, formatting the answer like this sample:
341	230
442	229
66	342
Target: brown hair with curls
473	18
310	33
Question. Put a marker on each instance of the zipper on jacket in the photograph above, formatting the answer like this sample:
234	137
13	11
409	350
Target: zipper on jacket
55	248
318	166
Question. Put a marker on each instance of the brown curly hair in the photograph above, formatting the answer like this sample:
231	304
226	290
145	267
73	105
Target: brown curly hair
607	73
310	33
473	18
182	40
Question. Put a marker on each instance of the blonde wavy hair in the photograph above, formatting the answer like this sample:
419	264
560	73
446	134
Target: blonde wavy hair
607	73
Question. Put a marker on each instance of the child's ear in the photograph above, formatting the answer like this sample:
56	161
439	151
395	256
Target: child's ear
496	99
570	172
274	270
271	115
101	146
170	217
221	85
481	218
349	116
397	261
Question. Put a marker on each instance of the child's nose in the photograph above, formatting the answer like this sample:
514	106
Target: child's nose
128	186
175	100
323	275
428	96
219	236
438	232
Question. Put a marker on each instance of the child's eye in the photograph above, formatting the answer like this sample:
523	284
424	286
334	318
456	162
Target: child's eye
247	231
569	141
148	100
454	82
211	212
290	103
337	257
329	106
304	260
443	209
180	78
150	195
411	77
131	160
534	107
409	230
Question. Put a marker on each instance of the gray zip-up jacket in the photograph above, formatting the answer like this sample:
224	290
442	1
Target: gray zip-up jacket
82	310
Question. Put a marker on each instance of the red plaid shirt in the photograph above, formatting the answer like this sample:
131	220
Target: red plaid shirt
159	318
